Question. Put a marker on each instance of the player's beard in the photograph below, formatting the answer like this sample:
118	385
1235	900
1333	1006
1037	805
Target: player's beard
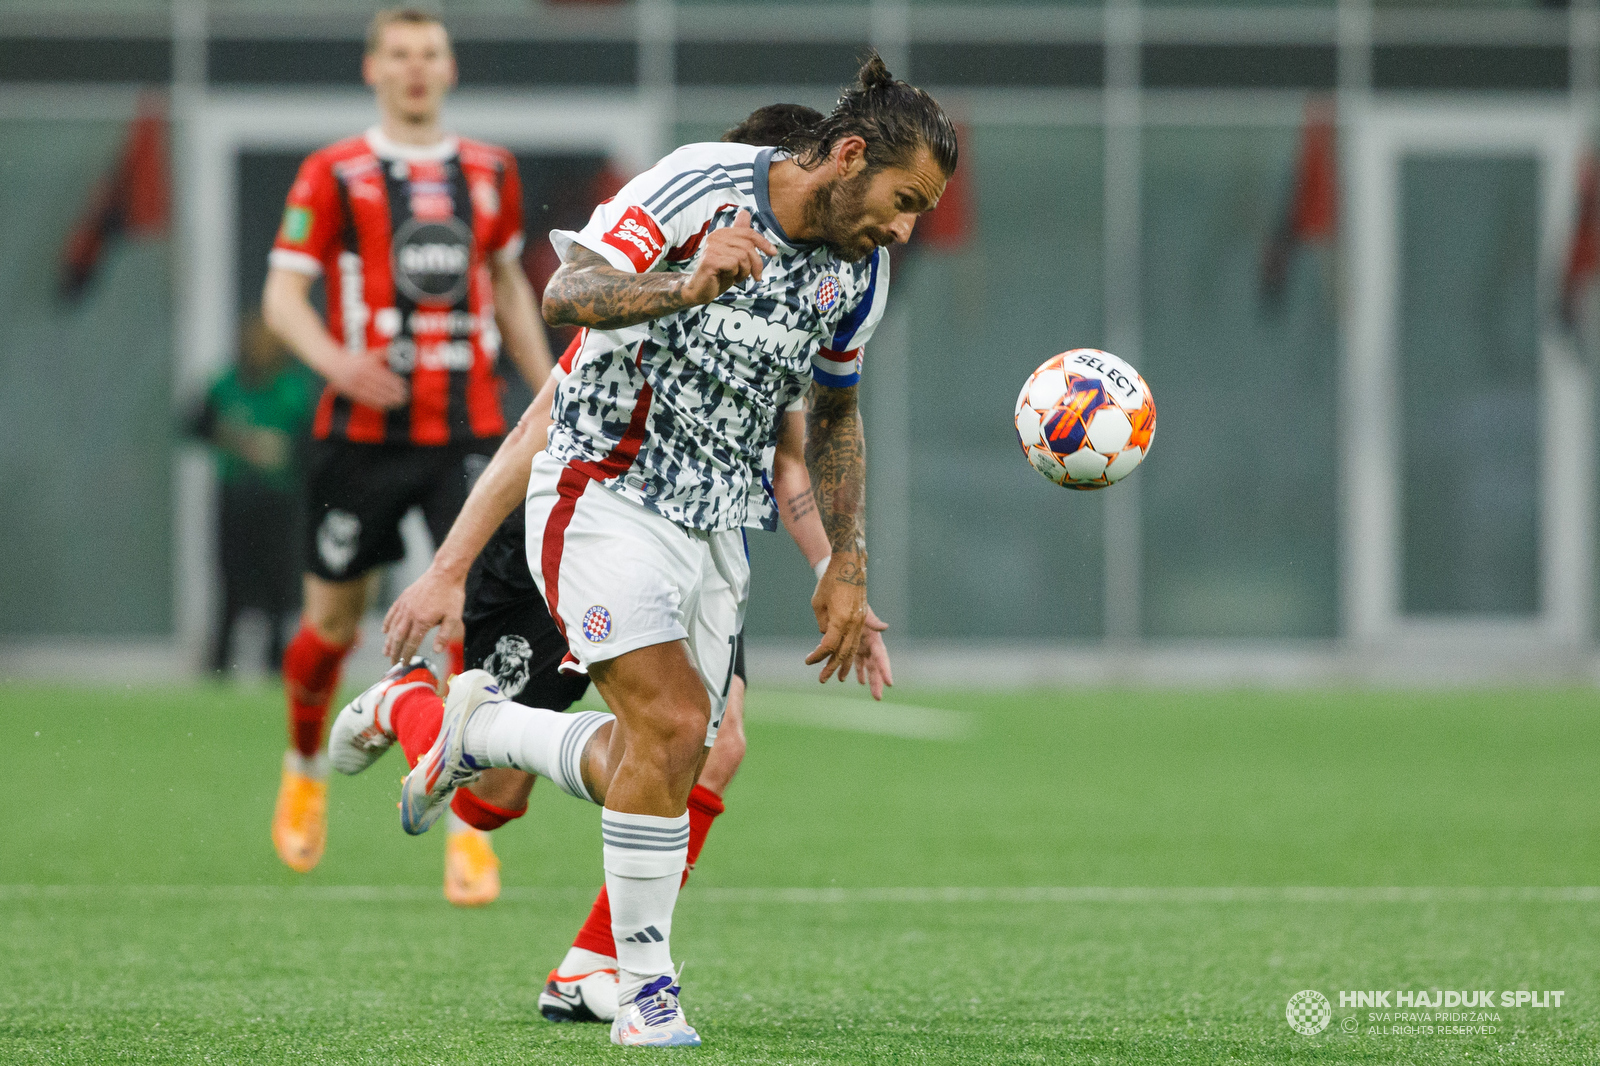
834	212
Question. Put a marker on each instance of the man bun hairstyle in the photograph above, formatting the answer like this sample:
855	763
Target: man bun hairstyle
775	125
395	16
893	117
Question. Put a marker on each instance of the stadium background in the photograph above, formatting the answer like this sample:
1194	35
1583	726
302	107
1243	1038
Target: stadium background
1384	468
1256	721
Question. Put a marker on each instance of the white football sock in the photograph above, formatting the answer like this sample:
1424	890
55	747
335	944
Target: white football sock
644	860
315	767
582	960
454	824
535	741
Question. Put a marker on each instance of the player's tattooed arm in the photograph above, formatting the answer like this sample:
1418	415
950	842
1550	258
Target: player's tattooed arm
801	504
836	456
588	291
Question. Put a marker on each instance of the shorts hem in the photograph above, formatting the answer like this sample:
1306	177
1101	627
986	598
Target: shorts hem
607	651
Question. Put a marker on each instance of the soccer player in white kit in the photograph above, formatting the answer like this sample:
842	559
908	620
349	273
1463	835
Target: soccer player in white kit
716	289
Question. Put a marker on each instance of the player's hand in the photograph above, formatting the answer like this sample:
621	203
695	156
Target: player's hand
432	600
366	379
840	604
872	663
729	256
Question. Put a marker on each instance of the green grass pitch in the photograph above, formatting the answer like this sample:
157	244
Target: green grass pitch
144	918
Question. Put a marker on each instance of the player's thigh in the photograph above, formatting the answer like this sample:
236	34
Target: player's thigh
616	576
660	701
356	495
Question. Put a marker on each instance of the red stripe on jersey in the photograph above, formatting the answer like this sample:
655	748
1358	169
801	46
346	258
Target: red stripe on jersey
430	399
627	449
574	480
324	420
570	356
484	413
368	198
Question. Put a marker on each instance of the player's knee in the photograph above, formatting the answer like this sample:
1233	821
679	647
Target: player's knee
676	735
334	609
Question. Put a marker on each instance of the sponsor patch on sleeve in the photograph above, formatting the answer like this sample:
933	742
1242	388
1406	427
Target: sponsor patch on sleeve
297	224
637	236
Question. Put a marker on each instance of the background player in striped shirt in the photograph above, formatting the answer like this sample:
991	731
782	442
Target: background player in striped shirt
416	234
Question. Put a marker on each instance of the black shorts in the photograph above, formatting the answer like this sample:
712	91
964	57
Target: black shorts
509	630
356	495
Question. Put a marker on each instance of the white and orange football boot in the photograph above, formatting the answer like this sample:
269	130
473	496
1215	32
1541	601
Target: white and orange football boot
362	731
471	868
300	820
587	993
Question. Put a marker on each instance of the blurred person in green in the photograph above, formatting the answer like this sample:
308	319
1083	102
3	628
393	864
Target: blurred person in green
255	416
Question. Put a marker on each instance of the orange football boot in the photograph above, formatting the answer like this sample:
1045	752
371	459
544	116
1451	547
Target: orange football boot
471	869
300	821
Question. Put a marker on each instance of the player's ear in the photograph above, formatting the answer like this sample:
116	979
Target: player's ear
850	156
368	74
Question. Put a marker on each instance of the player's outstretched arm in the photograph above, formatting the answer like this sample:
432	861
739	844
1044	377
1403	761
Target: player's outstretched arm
589	291
797	508
363	377
438	596
516	311
836	457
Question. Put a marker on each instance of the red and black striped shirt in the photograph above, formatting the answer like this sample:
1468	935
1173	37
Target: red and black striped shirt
402	236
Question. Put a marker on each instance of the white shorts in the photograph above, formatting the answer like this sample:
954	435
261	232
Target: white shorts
619	577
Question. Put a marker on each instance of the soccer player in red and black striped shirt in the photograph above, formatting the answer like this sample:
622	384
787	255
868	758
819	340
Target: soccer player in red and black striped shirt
416	235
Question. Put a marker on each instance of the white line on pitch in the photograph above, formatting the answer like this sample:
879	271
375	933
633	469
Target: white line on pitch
709	895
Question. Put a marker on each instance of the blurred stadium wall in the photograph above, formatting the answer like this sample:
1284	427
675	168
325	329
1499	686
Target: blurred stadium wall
1335	237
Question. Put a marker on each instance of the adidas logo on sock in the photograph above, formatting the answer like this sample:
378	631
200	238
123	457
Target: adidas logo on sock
648	935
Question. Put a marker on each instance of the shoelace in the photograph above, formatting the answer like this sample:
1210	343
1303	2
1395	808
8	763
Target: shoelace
661	1008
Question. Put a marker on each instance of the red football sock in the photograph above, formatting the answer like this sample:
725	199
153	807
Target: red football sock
415	718
595	936
704	806
480	813
310	676
458	658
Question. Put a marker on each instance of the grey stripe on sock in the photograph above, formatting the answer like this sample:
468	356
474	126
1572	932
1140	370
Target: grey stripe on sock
644	830
650	837
646	847
569	764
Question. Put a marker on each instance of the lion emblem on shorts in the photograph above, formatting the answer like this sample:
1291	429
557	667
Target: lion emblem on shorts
337	538
509	663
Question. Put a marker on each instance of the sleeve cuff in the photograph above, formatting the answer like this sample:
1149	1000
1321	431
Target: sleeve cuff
299	262
563	240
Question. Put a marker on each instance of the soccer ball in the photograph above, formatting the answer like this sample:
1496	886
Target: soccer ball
1085	419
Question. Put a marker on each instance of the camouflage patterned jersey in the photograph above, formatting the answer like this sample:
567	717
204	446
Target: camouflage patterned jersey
677	413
